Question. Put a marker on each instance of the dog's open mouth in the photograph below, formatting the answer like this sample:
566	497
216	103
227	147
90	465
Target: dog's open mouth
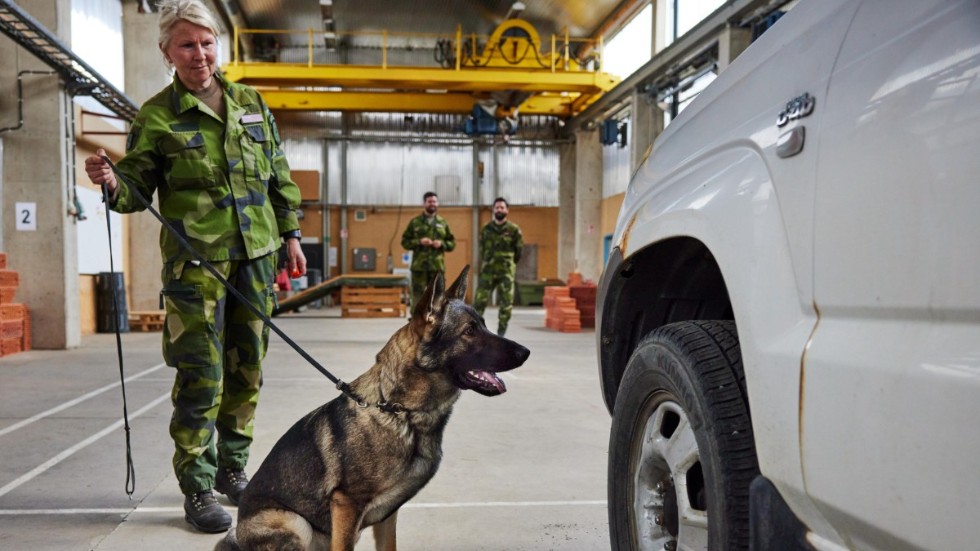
484	382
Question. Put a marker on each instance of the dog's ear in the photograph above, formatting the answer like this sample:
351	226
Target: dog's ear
429	301
458	288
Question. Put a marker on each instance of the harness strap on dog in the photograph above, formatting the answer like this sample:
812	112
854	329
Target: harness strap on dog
341	385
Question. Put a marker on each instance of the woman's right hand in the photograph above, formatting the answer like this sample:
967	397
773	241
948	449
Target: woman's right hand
99	171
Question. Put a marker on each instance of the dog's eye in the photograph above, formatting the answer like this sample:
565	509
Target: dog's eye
469	331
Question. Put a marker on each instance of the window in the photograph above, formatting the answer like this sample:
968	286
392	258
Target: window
683	15
631	47
96	37
681	97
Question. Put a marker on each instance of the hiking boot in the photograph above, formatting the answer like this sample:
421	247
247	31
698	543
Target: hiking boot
204	512
231	482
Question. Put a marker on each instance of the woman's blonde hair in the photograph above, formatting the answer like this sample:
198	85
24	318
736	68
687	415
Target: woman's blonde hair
192	11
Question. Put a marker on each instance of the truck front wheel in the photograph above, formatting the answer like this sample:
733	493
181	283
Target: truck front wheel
681	450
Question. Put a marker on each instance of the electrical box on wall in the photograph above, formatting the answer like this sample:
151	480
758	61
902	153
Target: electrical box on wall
365	259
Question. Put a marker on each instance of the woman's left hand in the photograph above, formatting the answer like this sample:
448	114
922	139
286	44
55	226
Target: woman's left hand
295	259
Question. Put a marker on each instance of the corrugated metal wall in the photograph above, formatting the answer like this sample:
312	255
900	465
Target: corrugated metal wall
385	173
393	159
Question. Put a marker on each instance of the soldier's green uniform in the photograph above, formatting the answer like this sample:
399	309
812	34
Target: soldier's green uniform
224	184
427	261
501	246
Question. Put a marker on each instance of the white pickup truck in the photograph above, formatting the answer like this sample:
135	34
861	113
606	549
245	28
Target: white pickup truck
789	323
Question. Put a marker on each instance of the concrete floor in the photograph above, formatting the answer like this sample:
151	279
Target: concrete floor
522	471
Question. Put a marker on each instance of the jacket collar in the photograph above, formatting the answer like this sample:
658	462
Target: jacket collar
182	100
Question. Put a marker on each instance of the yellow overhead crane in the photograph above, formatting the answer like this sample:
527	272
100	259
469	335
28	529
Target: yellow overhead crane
509	71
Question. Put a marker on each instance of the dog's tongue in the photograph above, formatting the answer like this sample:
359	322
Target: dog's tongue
490	379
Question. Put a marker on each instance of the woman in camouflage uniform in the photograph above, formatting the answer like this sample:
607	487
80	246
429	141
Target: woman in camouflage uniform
211	151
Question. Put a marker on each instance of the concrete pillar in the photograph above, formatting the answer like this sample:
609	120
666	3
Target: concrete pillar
146	74
646	123
566	209
580	206
35	171
475	266
731	42
588	203
659	26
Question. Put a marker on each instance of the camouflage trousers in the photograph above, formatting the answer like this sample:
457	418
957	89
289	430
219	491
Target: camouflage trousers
217	345
420	280
503	282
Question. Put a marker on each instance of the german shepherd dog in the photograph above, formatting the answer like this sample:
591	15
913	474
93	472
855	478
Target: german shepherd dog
353	462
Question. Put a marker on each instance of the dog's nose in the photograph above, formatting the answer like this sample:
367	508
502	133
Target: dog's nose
521	354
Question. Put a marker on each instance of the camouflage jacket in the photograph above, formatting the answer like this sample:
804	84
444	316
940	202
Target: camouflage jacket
434	227
501	246
225	186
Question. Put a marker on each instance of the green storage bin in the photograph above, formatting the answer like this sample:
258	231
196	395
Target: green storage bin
530	293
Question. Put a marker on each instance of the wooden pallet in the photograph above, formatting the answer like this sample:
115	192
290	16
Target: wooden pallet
147	321
372	302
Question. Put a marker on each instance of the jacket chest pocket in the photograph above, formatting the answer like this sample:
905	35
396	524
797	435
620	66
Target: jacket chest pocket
257	152
189	166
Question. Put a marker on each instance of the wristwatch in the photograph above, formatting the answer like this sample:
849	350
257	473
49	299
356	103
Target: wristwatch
292	234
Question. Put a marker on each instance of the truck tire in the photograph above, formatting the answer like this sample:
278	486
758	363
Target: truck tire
681	450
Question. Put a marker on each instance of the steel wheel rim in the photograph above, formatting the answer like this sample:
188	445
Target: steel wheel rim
662	464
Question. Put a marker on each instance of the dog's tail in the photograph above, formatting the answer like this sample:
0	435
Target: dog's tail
230	543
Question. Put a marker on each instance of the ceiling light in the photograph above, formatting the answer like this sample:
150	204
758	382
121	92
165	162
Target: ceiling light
515	10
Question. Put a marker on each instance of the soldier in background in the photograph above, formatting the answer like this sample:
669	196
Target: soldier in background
501	245
428	237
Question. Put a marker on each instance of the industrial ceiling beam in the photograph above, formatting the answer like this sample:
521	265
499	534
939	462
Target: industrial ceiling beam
418	78
403	102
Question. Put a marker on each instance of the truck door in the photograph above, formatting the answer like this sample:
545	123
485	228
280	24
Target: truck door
891	392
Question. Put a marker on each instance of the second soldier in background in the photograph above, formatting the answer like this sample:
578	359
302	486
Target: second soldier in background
501	244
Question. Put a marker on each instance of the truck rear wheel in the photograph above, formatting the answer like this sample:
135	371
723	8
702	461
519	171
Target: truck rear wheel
681	450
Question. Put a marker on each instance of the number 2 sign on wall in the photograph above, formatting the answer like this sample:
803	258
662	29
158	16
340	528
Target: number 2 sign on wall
26	216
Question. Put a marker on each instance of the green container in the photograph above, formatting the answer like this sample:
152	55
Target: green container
530	293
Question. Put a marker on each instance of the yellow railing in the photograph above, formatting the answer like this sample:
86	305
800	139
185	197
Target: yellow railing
557	59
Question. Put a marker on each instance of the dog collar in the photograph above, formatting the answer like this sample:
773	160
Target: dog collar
384	405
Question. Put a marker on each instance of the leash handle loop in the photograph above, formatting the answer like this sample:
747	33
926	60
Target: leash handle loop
130	466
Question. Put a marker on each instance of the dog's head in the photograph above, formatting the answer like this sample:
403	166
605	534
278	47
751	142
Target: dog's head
453	337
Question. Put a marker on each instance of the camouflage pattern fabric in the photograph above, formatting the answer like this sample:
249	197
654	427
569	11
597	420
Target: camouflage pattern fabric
427	261
501	246
223	184
217	345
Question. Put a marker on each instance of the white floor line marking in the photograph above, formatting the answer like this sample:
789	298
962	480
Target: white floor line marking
502	504
151	510
76	401
71	451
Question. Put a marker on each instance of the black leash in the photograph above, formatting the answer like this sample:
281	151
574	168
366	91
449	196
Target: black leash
130	467
341	385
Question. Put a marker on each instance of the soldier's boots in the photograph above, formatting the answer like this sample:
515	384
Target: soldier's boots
231	482
204	512
501	329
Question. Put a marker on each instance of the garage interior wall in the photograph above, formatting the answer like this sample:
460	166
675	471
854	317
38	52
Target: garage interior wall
378	153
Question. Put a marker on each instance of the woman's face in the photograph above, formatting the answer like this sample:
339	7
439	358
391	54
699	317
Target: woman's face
193	51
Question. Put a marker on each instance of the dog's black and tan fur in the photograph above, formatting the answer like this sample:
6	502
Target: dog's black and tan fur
346	466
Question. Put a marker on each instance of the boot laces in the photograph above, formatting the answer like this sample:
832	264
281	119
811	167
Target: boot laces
203	500
236	476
